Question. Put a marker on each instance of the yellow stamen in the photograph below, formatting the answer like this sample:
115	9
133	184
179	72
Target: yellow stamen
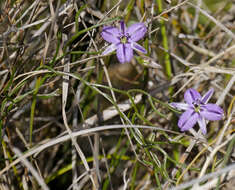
123	39
196	108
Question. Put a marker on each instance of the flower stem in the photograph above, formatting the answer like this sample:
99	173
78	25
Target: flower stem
167	62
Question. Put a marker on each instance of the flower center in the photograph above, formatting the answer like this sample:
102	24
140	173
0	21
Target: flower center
196	108
197	105
123	39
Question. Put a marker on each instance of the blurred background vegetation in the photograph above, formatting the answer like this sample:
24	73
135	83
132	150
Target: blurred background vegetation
54	81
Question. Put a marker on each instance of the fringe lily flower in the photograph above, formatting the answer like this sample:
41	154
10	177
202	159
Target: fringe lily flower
197	110
124	40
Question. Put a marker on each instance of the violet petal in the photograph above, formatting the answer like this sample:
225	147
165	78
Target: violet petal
109	49
138	47
202	124
136	31
207	96
122	27
180	106
191	95
188	119
124	52
184	117
110	34
212	112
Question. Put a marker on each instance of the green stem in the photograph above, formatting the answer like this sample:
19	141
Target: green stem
33	110
165	43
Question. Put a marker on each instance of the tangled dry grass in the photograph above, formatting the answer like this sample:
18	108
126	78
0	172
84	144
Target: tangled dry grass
71	118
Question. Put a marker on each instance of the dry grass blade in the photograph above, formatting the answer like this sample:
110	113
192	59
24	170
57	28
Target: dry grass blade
33	171
219	24
64	138
83	120
205	177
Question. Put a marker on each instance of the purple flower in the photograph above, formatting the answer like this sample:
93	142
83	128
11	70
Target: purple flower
124	40
197	110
